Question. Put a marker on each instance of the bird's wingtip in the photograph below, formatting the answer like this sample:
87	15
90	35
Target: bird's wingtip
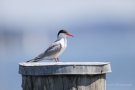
32	60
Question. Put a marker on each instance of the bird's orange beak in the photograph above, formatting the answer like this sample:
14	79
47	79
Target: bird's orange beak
70	35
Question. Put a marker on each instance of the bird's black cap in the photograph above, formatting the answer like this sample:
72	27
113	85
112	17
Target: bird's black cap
62	31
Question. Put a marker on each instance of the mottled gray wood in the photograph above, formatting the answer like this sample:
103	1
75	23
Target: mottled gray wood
64	75
64	82
64	68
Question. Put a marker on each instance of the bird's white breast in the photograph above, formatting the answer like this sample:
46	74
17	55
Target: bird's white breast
63	42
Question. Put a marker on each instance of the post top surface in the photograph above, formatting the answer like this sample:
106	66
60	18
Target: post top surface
61	63
64	68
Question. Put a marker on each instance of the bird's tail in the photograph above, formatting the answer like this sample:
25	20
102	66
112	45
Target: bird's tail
32	60
36	59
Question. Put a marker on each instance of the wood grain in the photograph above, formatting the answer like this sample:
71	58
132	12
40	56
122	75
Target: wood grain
64	75
64	82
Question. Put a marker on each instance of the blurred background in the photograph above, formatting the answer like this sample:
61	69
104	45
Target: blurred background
104	31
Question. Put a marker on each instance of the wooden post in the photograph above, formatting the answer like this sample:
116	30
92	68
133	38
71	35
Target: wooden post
64	75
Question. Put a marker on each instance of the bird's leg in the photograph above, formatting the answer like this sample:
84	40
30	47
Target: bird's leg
55	59
58	59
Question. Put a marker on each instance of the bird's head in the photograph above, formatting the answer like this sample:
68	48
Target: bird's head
63	34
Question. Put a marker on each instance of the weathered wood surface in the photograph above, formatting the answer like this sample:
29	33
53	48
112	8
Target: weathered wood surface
64	68
64	75
64	82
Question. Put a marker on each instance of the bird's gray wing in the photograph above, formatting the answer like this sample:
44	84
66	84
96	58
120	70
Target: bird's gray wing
52	50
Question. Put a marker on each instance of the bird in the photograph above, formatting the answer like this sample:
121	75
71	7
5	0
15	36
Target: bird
55	49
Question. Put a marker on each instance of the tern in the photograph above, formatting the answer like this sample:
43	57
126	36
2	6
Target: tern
55	49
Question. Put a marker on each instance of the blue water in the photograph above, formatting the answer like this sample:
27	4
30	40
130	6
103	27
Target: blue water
114	46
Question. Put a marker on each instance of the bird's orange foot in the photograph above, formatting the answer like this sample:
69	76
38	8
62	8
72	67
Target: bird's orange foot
55	59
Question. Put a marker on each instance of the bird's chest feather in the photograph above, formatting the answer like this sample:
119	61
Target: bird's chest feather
64	43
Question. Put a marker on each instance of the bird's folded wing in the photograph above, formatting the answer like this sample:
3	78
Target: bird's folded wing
52	50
